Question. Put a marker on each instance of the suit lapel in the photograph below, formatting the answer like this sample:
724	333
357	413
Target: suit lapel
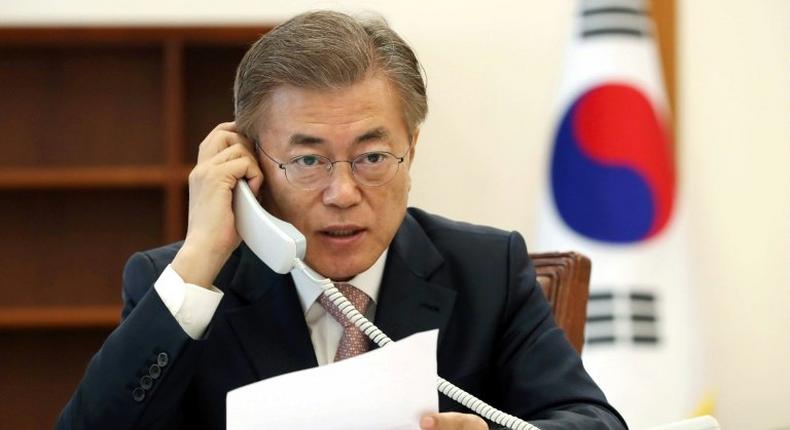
271	327
409	301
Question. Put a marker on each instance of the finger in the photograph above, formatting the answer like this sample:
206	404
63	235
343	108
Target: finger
242	168
255	182
227	126
217	141
254	179
232	152
452	421
429	422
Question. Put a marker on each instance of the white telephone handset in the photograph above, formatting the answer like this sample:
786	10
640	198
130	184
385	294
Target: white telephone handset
276	242
282	247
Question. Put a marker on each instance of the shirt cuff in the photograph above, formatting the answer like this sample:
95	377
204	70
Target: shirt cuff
191	305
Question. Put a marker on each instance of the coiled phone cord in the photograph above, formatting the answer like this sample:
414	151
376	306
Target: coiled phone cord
376	335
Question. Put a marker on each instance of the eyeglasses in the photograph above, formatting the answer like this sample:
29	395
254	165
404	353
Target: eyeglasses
312	171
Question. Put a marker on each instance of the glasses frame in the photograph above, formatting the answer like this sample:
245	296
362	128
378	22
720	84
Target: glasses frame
332	163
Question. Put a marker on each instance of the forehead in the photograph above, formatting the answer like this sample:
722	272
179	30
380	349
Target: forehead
330	113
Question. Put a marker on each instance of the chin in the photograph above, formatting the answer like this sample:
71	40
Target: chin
338	271
341	275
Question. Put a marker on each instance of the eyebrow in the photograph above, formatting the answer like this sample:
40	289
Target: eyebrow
303	139
376	134
379	133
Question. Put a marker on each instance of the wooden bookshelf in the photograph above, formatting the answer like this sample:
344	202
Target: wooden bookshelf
99	128
12	178
50	317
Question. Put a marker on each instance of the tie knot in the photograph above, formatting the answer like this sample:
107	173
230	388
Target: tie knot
357	297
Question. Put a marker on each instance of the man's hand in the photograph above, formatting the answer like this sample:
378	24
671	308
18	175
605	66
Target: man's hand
452	421
224	157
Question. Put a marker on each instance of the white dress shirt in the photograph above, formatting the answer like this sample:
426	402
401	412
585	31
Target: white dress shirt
194	306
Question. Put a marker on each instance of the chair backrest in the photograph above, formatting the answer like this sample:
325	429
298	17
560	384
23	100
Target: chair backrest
565	278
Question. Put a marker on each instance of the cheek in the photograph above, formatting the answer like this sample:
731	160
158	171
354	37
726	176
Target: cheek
394	205
268	199
278	199
293	208
269	188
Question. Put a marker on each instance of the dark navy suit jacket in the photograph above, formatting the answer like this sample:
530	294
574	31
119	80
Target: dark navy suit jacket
497	337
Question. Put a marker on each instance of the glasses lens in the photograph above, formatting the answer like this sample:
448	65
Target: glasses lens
375	168
372	169
308	171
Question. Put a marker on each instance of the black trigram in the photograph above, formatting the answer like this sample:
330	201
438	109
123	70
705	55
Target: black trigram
614	17
622	317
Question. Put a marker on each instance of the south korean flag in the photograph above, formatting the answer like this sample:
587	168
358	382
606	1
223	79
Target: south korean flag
613	194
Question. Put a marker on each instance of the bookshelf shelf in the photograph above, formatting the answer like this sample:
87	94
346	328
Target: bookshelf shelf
86	177
99	128
53	317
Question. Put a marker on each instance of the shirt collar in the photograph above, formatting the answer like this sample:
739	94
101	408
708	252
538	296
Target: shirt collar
368	282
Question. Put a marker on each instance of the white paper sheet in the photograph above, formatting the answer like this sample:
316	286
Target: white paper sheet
386	389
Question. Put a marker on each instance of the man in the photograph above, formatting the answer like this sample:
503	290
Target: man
328	110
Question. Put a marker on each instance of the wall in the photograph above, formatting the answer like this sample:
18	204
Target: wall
491	81
493	68
734	72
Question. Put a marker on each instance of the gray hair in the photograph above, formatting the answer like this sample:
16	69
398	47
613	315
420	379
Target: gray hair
326	50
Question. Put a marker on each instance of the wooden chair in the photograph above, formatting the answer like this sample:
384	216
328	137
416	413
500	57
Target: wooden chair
565	278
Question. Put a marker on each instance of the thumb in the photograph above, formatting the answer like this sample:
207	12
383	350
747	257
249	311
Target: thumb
428	422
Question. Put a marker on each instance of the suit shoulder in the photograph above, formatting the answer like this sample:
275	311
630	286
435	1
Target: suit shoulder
143	269
436	226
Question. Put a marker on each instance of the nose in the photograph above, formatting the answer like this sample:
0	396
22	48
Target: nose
343	190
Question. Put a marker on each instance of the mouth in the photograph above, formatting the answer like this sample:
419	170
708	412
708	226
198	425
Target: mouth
342	233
